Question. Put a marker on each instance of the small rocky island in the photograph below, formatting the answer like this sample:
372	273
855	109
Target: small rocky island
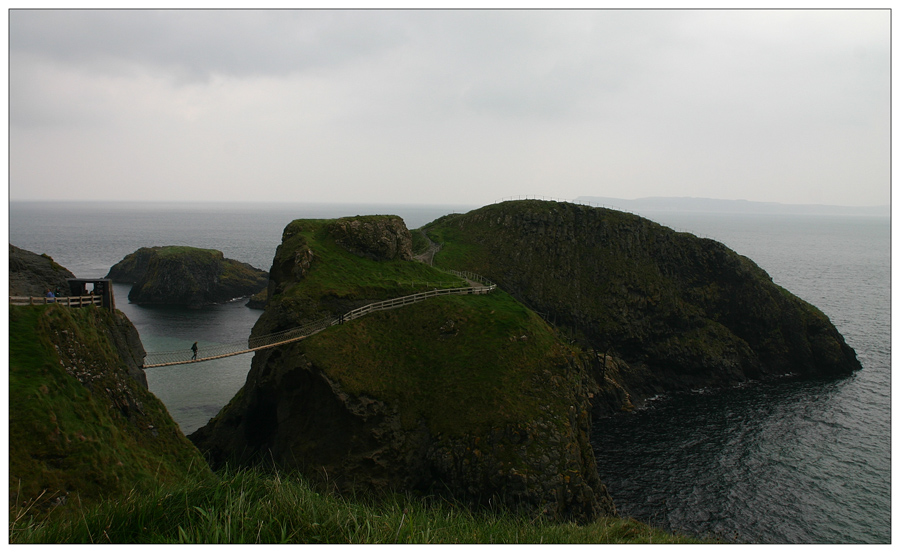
182	275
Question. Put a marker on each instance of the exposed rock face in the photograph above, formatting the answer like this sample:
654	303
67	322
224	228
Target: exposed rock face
192	277
31	274
377	237
673	311
124	337
473	397
258	300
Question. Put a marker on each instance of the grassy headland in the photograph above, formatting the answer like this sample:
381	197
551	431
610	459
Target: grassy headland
312	277
684	312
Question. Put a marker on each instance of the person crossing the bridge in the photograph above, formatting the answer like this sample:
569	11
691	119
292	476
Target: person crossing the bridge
194	349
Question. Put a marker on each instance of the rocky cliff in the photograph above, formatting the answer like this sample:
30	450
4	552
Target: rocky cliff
31	274
325	268
474	397
377	237
179	275
82	425
663	311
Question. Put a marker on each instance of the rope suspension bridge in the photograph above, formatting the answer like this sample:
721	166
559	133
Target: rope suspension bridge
479	285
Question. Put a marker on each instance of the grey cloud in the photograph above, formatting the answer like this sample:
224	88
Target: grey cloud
198	43
542	64
631	100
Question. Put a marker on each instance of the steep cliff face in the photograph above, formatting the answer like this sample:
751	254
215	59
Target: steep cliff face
178	275
668	310
82	424
31	274
470	396
377	237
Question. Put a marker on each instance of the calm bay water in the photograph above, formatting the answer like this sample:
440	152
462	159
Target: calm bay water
780	462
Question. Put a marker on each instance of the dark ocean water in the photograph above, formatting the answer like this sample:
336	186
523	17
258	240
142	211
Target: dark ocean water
780	462
775	462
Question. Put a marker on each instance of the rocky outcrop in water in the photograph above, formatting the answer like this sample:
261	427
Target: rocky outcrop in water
31	274
192	277
666	311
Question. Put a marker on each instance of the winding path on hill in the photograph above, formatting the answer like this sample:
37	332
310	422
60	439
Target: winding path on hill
427	257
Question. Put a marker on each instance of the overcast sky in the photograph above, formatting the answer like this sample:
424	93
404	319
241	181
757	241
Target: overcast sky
458	107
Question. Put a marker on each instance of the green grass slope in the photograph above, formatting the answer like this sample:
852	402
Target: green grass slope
252	507
80	428
464	364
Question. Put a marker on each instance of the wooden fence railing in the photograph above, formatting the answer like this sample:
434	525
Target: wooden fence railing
415	298
70	301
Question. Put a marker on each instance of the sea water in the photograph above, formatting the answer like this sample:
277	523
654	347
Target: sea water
771	462
776	462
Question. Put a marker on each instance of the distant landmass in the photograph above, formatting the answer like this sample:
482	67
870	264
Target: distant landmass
708	205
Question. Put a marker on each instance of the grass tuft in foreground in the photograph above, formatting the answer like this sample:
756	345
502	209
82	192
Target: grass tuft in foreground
251	506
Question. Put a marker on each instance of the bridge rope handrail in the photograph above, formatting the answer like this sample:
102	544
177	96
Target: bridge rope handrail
184	356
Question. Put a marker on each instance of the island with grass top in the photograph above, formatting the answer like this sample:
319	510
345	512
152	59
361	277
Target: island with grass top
184	275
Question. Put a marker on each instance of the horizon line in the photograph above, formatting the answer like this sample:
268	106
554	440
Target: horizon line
503	199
